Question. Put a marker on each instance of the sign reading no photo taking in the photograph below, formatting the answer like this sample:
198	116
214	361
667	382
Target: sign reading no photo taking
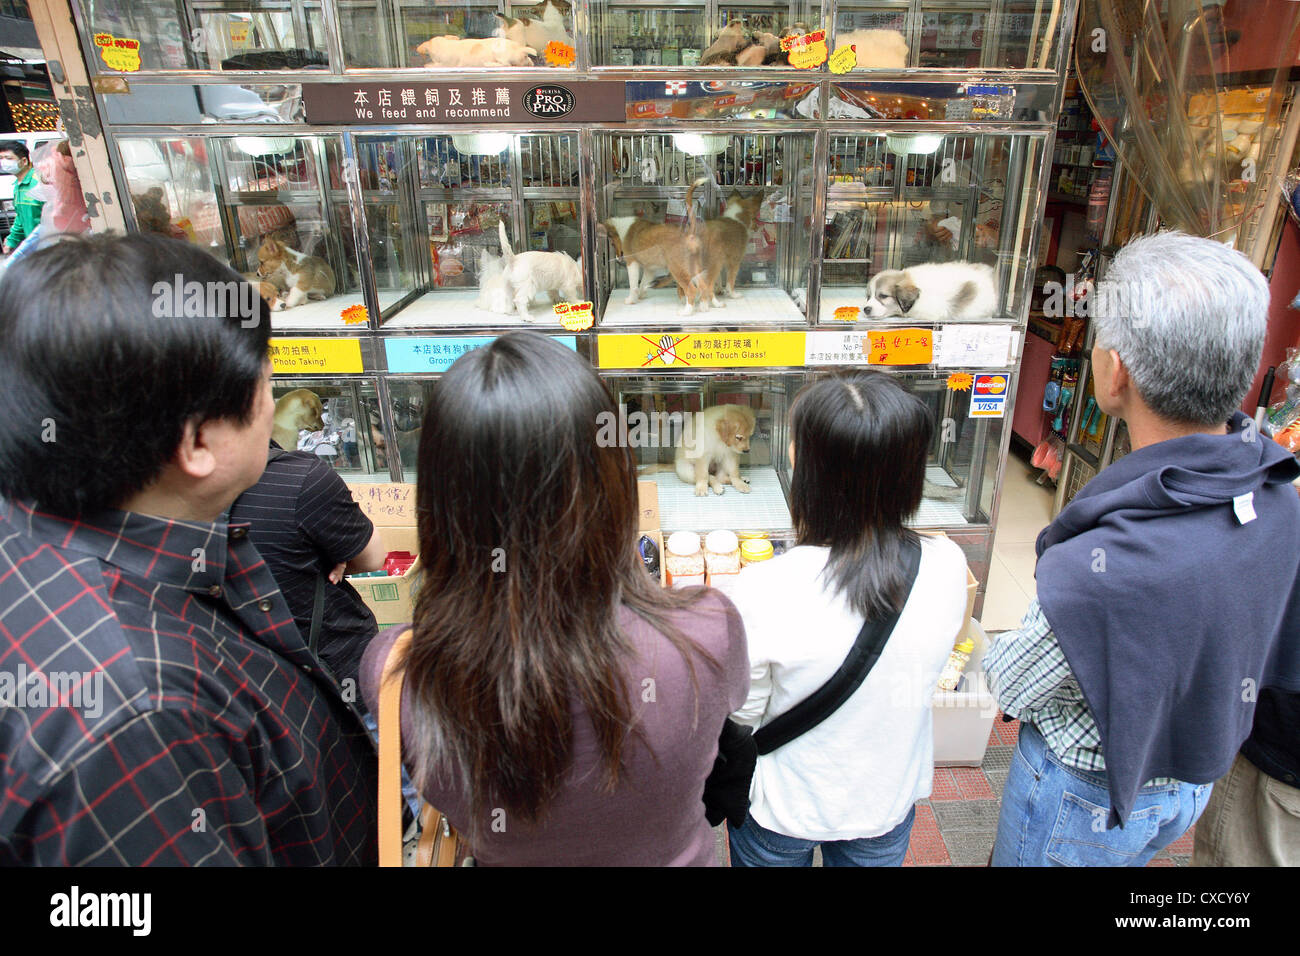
988	397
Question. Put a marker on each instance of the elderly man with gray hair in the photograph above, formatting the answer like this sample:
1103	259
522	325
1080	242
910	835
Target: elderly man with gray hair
1167	588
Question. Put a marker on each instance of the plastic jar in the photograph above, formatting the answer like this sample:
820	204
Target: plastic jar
755	550
721	553
957	661
684	562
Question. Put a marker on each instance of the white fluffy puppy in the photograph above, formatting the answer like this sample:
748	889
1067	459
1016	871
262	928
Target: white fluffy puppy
876	49
529	273
494	292
933	292
468	51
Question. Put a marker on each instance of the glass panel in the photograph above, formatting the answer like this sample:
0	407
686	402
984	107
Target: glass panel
407	397
667	401
208	34
755	195
413	33
346	432
269	204
633	33
951	36
899	200
436	207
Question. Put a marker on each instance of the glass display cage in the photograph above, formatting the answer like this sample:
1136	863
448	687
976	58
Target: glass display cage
930	147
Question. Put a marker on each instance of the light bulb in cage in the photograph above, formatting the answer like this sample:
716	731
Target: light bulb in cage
482	144
913	144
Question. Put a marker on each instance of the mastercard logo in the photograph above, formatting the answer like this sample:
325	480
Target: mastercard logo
991	385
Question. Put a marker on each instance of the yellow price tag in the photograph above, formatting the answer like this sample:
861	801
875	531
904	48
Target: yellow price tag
118	53
315	355
844	59
355	315
559	54
960	381
806	51
574	316
901	347
847	313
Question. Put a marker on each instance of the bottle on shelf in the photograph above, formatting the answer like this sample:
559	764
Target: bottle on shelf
957	662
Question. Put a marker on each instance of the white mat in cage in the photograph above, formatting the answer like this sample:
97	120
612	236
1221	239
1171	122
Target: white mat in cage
933	513
446	307
317	314
763	508
660	306
835	296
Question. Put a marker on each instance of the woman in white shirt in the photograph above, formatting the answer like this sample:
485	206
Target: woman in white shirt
859	450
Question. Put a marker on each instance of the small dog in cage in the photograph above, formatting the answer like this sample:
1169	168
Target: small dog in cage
876	49
529	273
471	51
725	241
295	411
933	292
708	452
494	292
648	247
538	33
306	277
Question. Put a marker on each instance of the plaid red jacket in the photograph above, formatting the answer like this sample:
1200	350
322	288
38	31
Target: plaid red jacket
159	706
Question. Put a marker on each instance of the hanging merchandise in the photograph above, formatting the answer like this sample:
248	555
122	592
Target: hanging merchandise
1284	415
1165	83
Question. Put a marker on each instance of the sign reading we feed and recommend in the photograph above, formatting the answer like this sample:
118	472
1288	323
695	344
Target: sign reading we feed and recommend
323	354
700	349
481	100
418	353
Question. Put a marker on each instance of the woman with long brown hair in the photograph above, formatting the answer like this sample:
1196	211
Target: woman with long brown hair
558	706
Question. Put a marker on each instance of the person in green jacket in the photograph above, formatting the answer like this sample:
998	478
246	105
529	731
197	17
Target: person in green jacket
15	160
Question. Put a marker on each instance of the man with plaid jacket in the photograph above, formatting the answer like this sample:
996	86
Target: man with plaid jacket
158	705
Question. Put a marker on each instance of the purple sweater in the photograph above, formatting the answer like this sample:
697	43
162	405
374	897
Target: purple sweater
655	816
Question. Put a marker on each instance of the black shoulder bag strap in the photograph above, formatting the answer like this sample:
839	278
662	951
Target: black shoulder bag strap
318	600
824	701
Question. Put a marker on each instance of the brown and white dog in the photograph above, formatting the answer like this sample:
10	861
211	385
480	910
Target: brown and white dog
933	292
708	453
725	241
295	411
538	32
648	247
305	277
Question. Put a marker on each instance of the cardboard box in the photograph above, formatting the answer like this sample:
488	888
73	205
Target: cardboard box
391	506
647	493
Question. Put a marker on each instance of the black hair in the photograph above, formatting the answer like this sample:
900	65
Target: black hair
860	447
16	147
103	363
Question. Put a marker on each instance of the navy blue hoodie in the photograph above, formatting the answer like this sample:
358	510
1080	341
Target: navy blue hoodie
1172	612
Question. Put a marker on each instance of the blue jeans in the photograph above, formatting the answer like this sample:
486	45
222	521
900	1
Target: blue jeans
753	845
1055	815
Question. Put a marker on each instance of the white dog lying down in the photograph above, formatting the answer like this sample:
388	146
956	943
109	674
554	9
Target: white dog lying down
468	51
532	272
933	292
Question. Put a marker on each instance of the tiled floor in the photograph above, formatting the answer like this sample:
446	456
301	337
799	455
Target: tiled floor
1026	509
956	826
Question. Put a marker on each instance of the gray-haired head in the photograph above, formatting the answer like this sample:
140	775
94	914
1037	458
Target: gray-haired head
1187	317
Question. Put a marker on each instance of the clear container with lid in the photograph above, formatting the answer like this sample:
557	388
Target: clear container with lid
684	561
722	552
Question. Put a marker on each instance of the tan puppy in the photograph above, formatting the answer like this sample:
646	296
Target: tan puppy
650	246
476	51
306	277
267	290
294	411
708	454
725	241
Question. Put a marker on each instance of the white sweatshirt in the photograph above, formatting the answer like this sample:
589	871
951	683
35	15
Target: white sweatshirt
858	773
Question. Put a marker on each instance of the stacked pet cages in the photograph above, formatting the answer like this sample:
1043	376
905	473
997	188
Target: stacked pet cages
829	141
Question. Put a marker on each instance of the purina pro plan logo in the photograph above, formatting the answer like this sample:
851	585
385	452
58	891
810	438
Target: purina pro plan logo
988	396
